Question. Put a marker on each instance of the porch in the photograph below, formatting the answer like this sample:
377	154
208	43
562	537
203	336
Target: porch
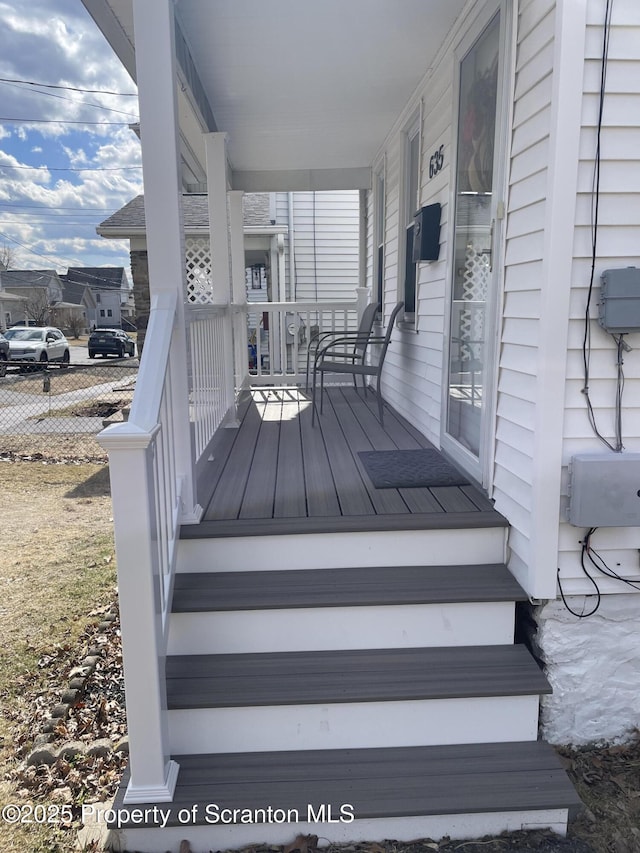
276	473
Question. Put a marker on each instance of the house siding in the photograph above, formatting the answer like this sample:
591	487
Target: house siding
617	246
413	372
326	241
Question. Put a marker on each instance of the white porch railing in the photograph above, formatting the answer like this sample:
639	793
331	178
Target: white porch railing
211	381
147	493
280	332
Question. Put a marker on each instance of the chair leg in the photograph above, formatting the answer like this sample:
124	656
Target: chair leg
380	402
313	398
321	390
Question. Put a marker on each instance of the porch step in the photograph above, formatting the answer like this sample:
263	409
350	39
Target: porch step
367	607
449	539
360	794
369	585
361	698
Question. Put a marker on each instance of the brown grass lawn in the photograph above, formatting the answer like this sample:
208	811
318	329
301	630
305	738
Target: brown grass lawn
56	541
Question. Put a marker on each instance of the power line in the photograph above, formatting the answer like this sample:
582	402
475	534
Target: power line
72	168
69	88
61	121
69	263
77	102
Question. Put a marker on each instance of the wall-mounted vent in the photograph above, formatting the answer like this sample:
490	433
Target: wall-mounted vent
604	490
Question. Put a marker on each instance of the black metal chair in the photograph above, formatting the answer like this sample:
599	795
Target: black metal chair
357	341
324	365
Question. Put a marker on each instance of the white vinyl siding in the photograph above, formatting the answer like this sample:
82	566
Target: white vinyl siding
326	240
617	246
412	380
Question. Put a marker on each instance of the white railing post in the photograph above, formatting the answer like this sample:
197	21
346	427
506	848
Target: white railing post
362	300
153	774
219	242
238	289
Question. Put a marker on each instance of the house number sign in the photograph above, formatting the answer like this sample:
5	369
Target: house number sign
436	162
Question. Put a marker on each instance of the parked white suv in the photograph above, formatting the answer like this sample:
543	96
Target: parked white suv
37	343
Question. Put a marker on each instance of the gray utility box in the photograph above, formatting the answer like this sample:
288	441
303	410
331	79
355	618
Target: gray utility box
604	489
619	306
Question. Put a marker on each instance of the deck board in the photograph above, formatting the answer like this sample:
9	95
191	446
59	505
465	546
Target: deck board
281	474
291	501
259	496
381	782
352	675
353	587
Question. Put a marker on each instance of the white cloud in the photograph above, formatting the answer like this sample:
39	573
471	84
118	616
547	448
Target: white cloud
50	211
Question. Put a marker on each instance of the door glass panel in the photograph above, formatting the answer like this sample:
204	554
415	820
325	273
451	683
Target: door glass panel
472	241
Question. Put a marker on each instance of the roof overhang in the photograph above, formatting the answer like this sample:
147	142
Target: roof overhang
307	92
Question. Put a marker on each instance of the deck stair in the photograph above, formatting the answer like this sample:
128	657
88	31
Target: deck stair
353	701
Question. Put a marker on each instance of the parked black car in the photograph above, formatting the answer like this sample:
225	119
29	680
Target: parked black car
4	354
110	342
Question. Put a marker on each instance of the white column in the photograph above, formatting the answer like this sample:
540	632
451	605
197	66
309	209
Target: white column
217	187
557	254
153	774
238	288
220	250
155	63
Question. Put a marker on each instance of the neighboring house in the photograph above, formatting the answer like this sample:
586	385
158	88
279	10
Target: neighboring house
110	290
11	309
264	663
78	304
315	235
39	291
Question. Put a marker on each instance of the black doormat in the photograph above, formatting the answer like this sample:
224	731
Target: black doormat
409	469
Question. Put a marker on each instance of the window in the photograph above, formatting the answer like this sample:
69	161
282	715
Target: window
109	312
98	298
102	312
379	225
411	203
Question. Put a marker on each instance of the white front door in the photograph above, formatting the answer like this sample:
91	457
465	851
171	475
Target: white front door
478	209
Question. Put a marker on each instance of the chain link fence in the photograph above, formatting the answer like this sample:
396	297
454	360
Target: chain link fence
55	411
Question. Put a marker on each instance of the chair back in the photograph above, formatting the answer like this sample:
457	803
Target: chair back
364	328
387	334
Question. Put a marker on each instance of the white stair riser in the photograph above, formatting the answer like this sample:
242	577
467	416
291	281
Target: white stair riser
341	550
354	725
306	629
203	839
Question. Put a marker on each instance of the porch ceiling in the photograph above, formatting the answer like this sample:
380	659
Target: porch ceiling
307	87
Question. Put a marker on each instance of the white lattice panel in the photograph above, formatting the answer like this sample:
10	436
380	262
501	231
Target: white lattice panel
198	263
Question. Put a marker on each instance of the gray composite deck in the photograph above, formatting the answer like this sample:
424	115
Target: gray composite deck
277	473
392	782
353	587
355	675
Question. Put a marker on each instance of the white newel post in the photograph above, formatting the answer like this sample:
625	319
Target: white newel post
220	247
238	288
153	773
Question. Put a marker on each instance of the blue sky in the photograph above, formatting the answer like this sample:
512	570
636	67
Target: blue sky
67	158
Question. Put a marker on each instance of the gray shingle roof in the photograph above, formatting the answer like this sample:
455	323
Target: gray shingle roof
26	278
195	211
